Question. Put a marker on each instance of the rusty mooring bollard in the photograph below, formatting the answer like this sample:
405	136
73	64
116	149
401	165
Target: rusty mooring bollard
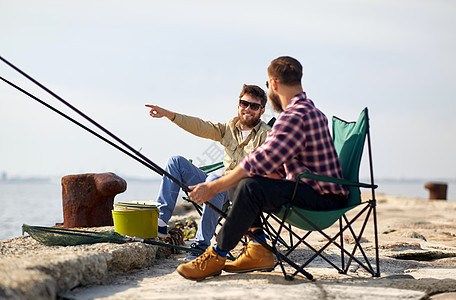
437	190
89	198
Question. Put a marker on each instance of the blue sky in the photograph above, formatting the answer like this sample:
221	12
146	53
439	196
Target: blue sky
109	58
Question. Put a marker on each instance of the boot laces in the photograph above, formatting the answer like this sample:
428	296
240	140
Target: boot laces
202	261
244	251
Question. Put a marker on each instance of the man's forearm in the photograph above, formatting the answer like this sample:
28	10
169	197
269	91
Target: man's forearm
205	191
170	115
229	181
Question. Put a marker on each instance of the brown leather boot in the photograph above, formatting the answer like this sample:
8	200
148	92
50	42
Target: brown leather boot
254	257
208	264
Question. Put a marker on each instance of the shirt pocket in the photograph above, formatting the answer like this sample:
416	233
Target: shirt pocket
249	148
231	147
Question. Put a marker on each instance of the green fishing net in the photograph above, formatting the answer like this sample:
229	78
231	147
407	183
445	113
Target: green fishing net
52	236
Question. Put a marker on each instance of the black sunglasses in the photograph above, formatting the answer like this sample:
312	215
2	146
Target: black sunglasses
253	106
267	83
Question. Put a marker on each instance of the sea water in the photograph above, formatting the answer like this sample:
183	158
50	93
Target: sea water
39	202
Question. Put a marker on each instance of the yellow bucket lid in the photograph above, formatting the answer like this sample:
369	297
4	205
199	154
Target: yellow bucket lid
135	205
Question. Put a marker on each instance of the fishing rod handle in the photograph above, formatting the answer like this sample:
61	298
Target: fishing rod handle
216	209
221	213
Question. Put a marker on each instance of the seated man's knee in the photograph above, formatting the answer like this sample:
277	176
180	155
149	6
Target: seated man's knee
176	160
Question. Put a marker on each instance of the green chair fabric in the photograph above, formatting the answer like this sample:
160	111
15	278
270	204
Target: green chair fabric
349	140
211	168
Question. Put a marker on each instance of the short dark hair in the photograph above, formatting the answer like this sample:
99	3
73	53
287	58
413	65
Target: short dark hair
254	91
286	70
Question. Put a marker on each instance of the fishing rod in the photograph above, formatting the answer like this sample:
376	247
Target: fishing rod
156	168
76	122
144	160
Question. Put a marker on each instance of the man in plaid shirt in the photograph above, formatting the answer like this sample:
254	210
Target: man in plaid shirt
299	142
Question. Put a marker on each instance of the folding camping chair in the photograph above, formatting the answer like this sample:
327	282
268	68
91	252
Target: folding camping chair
349	138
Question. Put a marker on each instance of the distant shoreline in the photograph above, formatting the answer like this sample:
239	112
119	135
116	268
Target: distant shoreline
53	179
411	187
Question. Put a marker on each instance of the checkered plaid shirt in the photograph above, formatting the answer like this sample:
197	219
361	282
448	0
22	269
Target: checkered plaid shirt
299	142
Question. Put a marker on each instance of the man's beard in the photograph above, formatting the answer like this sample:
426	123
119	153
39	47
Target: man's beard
275	101
249	123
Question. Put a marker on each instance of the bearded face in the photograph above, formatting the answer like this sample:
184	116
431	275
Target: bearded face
248	117
275	101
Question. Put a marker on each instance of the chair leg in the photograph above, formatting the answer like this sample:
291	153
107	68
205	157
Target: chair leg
279	258
342	257
270	230
357	240
377	260
290	236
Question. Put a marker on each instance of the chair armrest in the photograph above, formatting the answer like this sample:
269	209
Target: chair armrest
211	168
336	180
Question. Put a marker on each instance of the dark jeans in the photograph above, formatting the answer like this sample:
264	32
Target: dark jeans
258	194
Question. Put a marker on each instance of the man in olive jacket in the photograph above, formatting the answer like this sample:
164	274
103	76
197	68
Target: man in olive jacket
240	136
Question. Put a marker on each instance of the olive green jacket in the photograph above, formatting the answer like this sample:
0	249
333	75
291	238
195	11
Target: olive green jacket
228	134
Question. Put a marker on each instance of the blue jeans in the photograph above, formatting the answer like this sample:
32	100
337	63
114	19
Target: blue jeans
183	170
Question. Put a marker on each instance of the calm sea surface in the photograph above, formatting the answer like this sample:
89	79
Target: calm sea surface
40	203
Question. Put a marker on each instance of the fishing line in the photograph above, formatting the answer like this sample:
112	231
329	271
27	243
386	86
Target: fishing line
144	160
156	168
77	123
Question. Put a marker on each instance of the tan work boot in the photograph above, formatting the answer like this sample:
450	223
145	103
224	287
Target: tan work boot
208	264
254	257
